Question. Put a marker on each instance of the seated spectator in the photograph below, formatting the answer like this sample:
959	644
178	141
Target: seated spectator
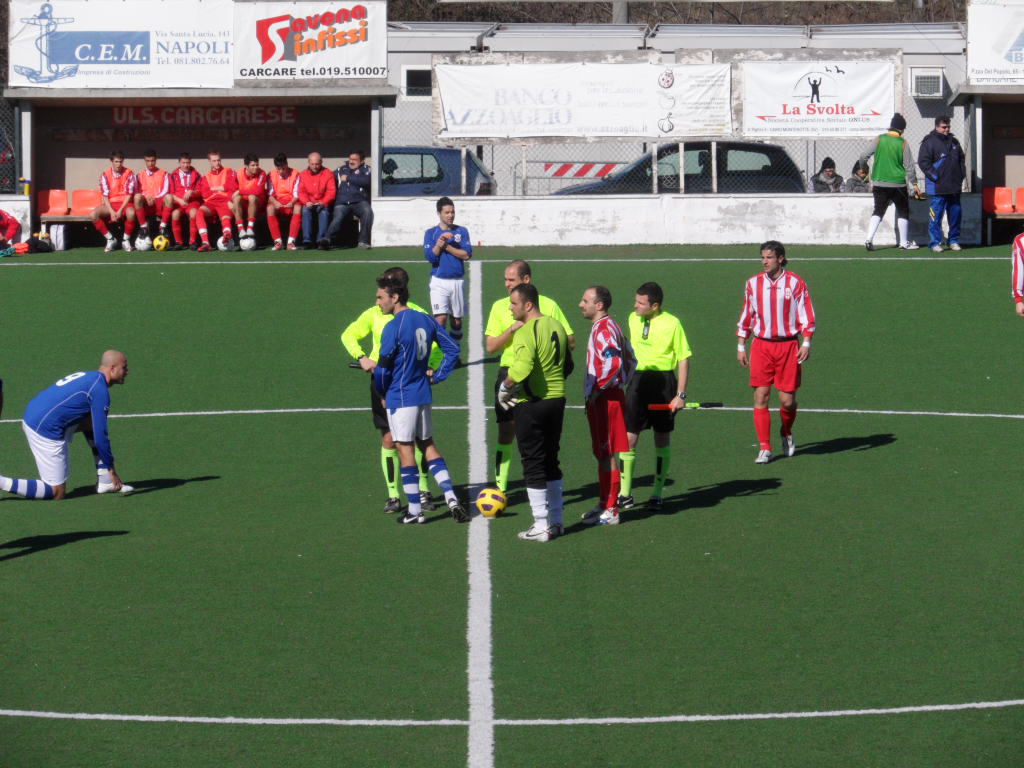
826	179
858	181
316	191
9	227
353	180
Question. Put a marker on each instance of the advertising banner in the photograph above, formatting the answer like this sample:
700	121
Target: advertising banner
817	98
114	44
584	100
300	41
995	43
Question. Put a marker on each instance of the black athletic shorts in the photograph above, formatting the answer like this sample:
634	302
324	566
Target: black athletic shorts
645	388
539	434
500	414
898	195
380	414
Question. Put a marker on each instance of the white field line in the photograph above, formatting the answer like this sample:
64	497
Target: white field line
478	625
474	438
343	262
877	711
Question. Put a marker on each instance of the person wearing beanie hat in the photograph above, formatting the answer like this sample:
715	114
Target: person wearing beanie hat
892	171
857	181
826	179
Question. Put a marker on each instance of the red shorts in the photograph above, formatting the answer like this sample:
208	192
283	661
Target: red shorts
774	362
115	205
148	211
606	416
191	205
219	207
261	199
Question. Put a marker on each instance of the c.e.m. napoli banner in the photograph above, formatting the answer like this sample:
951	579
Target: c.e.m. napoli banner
817	98
298	41
116	44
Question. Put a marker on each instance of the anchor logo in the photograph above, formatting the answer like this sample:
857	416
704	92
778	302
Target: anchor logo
48	71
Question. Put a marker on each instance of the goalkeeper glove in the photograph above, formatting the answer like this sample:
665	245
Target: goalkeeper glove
507	396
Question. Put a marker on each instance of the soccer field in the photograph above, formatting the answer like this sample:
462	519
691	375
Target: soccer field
250	605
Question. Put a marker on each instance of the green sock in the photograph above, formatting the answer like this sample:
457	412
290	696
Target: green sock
502	464
389	465
662	457
627	459
422	466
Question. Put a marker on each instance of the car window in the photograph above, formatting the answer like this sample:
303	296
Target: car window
668	165
746	160
410	168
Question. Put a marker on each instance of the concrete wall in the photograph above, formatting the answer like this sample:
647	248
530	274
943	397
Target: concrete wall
715	220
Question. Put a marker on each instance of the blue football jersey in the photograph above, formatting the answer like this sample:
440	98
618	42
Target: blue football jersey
75	398
401	372
447	266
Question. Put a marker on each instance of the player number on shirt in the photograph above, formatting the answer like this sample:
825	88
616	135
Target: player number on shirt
70	377
422	345
558	348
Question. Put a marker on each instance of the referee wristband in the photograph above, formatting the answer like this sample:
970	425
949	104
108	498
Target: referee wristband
741	347
806	344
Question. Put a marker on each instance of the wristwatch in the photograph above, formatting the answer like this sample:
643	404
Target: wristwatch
681	395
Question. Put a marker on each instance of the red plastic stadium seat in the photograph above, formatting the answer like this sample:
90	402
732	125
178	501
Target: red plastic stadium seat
1019	197
84	200
52	202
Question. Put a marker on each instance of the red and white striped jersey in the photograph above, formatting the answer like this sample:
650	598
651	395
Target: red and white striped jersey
776	309
182	182
610	358
1018	268
117	186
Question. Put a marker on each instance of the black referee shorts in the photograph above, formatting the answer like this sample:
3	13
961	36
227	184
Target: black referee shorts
898	195
645	388
500	414
380	414
539	434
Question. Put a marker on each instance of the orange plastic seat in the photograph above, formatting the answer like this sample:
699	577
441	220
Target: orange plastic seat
83	201
52	202
1002	200
1019	197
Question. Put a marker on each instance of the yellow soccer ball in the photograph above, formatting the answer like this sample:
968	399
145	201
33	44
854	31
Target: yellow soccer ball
160	243
491	502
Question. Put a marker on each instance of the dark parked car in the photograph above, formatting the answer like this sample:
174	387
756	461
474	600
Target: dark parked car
432	172
742	167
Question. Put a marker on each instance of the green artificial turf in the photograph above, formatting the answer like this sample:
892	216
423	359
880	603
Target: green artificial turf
254	575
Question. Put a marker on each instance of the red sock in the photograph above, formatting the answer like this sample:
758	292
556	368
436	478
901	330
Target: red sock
165	215
274	225
129	227
788	417
101	225
763	427
614	486
179	238
296	225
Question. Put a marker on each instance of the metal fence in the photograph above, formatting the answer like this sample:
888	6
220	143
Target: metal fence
723	166
8	158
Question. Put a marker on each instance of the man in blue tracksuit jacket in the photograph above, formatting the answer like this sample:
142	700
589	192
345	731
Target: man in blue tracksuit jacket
941	159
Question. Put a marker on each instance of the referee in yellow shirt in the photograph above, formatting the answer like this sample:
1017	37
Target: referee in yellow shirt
663	367
535	385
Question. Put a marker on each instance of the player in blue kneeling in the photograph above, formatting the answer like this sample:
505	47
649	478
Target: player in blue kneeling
402	375
77	403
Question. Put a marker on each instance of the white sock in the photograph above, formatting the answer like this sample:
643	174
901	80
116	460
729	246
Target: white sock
873	227
903	225
539	505
554	496
103	475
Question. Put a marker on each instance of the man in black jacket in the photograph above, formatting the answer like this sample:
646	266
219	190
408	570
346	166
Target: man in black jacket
941	159
353	180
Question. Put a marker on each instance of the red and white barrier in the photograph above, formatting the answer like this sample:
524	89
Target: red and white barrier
579	170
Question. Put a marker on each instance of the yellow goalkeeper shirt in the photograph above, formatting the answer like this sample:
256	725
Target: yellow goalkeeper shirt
539	351
500	318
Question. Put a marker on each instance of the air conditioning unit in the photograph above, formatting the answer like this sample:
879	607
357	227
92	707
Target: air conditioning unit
927	82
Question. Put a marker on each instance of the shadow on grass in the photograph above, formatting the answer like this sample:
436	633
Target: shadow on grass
840	444
705	497
30	545
145	486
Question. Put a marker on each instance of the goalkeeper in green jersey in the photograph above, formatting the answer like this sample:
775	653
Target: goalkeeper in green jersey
535	386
